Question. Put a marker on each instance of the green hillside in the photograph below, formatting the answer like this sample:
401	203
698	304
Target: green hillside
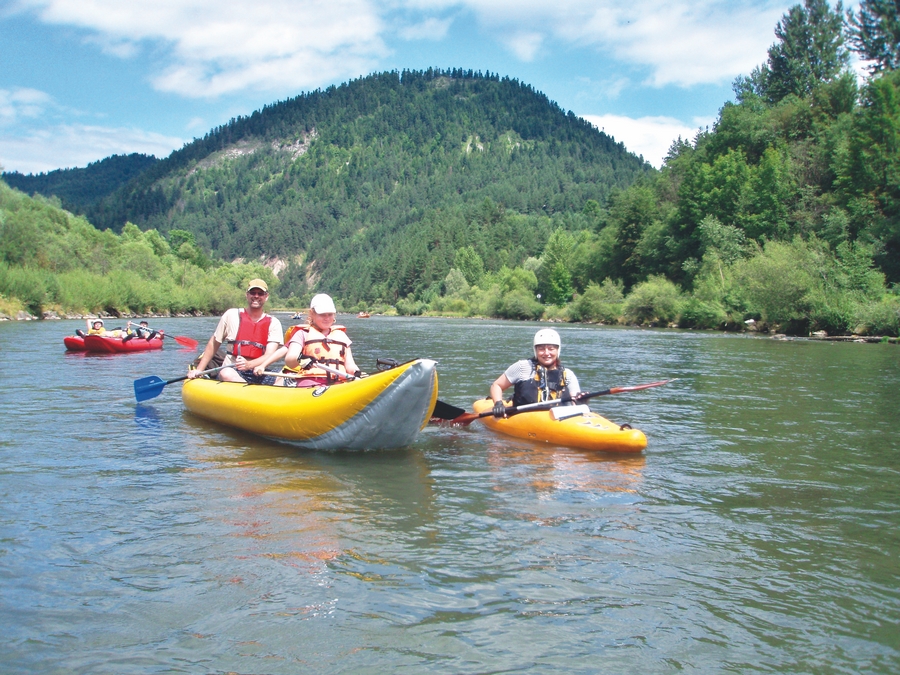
52	260
80	188
373	186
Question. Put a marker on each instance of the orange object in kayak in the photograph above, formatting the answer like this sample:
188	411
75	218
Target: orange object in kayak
573	426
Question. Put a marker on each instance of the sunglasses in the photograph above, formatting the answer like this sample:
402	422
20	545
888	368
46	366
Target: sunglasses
257	294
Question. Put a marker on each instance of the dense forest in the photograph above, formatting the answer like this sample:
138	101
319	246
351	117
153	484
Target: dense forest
458	193
80	188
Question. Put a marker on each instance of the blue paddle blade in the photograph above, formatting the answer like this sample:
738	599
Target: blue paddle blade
148	387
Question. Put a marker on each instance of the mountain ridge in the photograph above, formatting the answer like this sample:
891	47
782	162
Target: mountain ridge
343	178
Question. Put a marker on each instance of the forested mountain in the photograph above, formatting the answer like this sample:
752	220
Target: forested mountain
80	188
374	185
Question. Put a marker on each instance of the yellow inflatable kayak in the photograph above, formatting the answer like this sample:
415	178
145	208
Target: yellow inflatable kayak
574	426
384	410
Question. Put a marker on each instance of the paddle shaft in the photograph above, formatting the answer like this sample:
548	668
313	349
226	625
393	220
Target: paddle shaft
298	376
468	418
151	387
209	371
327	369
183	340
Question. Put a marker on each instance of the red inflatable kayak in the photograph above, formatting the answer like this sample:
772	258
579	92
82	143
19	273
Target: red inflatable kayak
74	343
116	345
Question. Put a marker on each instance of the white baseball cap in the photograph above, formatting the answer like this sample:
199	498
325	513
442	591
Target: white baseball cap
322	304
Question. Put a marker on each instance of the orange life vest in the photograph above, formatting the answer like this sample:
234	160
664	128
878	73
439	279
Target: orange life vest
328	350
252	337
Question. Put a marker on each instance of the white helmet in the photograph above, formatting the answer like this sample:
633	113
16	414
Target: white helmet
322	304
546	336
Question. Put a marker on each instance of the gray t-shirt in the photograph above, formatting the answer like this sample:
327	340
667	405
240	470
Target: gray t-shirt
524	370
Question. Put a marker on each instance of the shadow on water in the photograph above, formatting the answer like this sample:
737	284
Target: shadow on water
147	417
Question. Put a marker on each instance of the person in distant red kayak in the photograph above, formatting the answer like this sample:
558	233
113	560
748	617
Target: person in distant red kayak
96	327
141	330
542	378
253	335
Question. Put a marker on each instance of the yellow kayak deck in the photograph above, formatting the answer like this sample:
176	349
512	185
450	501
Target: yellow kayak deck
585	429
384	410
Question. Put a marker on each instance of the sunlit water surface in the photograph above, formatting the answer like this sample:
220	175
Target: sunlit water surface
757	533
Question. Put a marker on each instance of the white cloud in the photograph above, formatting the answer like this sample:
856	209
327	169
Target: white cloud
524	45
222	46
214	47
22	102
429	29
681	42
72	145
648	136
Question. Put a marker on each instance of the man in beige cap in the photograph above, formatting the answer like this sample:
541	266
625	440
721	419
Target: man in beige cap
253	334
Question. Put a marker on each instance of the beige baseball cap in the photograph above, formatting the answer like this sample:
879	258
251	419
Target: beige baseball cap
257	283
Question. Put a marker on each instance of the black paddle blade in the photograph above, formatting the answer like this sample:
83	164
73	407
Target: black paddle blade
445	411
148	387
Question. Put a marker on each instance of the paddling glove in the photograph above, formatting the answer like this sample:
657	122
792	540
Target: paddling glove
499	409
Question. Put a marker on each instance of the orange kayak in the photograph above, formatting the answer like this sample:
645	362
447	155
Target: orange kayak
574	426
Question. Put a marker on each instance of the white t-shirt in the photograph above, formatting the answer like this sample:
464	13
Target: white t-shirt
524	370
227	329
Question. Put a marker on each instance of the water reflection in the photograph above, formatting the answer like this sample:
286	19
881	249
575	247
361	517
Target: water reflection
552	468
147	417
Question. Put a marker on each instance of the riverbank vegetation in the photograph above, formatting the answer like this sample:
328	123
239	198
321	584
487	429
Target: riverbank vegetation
51	260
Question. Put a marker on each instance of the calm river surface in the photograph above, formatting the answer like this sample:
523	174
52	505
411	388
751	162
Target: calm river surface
759	531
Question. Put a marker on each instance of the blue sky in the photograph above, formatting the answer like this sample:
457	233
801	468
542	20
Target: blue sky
84	79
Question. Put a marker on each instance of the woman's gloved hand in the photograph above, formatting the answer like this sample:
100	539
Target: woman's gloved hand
499	409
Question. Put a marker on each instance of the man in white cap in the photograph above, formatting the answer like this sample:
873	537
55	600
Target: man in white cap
542	378
252	333
317	351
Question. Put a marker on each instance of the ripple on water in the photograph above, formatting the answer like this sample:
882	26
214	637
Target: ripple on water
758	532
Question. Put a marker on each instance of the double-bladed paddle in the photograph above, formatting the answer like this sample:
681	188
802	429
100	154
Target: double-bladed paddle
151	387
469	417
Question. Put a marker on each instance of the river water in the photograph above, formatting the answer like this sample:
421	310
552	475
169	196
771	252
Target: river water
759	531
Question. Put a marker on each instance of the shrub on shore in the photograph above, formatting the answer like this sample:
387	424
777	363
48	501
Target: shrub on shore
50	258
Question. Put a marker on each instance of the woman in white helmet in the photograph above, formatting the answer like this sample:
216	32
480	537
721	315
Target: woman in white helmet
542	378
309	347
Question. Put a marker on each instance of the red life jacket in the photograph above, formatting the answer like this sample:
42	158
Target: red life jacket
252	338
